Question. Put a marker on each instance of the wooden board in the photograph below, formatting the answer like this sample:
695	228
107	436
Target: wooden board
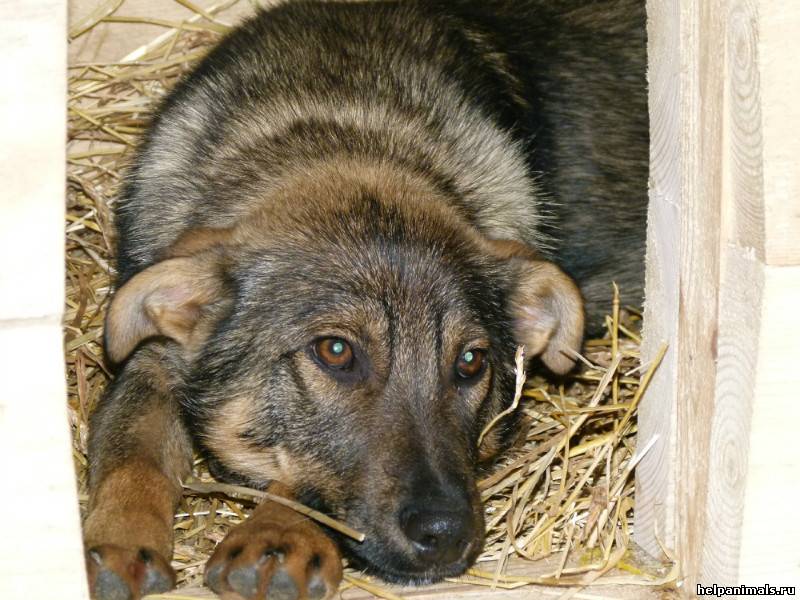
722	212
779	67
41	555
464	591
770	535
655	477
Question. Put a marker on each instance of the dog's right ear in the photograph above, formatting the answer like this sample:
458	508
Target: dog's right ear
167	299
546	306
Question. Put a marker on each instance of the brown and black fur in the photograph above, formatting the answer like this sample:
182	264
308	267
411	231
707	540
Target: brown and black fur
396	174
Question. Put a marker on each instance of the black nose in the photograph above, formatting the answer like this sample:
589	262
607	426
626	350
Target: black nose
439	534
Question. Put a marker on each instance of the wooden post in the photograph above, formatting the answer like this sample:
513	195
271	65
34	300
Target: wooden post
41	555
723	278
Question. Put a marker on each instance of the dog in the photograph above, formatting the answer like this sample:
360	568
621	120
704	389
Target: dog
334	235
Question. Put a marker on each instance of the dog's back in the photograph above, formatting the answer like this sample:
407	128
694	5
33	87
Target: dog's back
582	68
530	116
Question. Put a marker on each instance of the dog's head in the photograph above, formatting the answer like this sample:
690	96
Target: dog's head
352	338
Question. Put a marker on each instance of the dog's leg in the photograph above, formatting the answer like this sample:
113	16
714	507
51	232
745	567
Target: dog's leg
276	554
139	451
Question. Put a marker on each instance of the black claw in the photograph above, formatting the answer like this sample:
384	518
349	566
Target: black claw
282	587
110	586
145	556
244	581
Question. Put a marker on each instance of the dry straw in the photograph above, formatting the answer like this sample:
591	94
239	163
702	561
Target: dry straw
565	490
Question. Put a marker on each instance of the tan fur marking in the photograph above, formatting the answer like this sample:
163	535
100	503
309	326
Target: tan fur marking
548	306
549	315
133	508
165	299
199	239
224	440
507	249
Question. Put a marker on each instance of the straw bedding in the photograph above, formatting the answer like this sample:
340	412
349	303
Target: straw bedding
565	489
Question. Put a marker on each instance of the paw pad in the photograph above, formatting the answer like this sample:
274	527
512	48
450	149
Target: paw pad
117	573
270	561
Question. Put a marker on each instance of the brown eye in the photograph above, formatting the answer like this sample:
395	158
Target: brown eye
334	353
471	363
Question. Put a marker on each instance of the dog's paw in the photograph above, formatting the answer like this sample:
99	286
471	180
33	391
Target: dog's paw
273	561
117	573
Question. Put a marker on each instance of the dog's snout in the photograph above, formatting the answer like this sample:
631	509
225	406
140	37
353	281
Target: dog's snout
440	535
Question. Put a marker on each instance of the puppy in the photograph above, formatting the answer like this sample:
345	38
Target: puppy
333	238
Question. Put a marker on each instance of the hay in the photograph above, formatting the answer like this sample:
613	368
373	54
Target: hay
565	490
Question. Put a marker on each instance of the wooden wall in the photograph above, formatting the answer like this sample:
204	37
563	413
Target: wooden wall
723	288
41	553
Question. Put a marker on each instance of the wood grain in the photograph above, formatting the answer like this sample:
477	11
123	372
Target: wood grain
655	476
718	489
742	250
702	62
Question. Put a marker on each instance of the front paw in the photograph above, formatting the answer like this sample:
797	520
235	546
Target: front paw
117	573
275	561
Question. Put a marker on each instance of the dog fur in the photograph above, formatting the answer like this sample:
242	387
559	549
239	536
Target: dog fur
418	179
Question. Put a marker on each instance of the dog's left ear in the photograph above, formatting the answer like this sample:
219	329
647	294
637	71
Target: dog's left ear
166	299
546	305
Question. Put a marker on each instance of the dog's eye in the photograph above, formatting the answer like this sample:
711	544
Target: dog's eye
334	353
471	363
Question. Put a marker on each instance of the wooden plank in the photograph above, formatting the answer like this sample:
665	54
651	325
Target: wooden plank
655	477
32	128
779	22
702	63
714	206
741	243
769	549
686	74
454	590
736	351
770	546
42	554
